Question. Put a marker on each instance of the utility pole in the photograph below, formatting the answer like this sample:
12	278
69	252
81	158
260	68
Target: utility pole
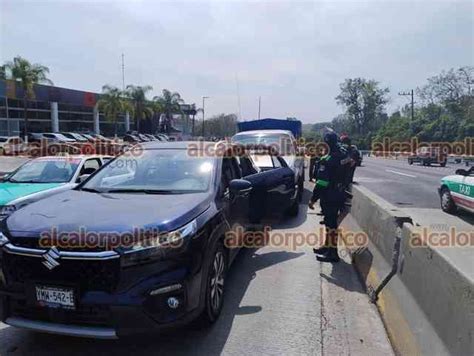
203	114
123	72
259	106
410	93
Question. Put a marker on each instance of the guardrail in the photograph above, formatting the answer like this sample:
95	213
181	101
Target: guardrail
426	300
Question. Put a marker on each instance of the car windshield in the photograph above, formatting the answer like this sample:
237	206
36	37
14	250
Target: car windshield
3	139
46	170
161	171
281	142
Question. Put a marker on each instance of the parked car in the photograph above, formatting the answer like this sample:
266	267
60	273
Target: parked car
457	191
162	137
42	177
75	136
282	141
11	145
131	138
427	156
57	138
151	137
159	264
35	137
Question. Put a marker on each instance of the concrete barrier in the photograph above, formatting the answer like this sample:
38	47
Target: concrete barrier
425	295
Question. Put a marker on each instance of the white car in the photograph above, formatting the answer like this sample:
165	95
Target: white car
45	176
11	145
457	191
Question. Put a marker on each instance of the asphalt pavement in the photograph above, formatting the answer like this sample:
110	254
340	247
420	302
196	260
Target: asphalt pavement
279	301
402	184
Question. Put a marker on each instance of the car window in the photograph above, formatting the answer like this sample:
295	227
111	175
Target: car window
46	170
163	170
90	166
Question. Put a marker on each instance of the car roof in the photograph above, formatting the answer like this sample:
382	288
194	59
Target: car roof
265	132
175	145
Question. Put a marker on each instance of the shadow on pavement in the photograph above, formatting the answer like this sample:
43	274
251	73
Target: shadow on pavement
342	276
191	340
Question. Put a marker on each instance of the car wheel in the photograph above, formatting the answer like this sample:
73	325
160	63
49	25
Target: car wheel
300	189
214	298
447	202
443	164
410	161
294	208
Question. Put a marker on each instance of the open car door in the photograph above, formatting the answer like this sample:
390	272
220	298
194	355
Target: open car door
273	183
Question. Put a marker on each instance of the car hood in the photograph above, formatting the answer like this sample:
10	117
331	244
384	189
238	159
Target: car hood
74	210
10	191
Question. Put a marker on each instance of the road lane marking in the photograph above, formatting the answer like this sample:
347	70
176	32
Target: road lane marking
400	173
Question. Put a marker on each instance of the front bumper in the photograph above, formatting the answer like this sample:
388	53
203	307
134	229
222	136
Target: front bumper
111	301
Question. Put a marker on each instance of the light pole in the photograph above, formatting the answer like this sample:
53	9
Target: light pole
410	93
203	114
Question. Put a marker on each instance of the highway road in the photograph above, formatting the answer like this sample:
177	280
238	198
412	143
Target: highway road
413	189
402	184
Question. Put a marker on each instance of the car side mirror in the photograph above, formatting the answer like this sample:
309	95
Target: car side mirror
239	187
462	172
82	178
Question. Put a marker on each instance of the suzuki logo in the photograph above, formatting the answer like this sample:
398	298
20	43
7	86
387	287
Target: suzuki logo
51	258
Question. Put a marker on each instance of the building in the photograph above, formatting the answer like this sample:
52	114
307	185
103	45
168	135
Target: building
54	109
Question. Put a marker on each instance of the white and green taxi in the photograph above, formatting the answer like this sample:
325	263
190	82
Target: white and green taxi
457	191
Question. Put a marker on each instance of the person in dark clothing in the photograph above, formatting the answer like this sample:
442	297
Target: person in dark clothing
330	189
313	159
353	154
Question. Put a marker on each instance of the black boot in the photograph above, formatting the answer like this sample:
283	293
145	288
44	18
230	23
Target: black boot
321	251
330	256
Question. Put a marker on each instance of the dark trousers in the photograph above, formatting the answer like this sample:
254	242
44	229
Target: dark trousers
312	164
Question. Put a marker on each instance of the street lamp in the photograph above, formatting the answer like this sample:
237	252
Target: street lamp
203	113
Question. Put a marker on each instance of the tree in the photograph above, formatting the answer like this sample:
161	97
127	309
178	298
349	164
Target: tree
194	112
3	72
113	102
220	126
170	104
141	107
28	74
365	103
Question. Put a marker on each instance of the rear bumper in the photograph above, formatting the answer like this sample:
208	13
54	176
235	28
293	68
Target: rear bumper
63	329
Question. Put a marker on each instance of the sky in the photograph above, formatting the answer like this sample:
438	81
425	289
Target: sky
292	54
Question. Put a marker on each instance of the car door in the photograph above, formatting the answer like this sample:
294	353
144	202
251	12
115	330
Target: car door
466	192
273	190
234	207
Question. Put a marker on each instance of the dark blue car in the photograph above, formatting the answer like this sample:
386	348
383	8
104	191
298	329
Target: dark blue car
140	245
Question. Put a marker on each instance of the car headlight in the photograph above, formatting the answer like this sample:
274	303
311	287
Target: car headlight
7	210
151	248
3	239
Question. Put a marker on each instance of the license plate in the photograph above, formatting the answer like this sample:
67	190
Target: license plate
55	297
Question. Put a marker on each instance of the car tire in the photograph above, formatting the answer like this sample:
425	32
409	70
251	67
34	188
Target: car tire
300	189
443	164
447	202
293	209
410	162
215	283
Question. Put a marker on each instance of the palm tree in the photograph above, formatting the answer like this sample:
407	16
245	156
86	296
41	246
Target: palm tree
137	95
194	111
113	102
28	74
170	103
